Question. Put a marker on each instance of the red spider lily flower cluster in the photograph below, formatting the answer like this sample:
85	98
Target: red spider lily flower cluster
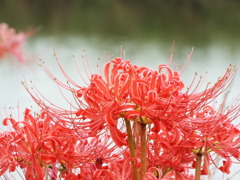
12	42
43	147
129	123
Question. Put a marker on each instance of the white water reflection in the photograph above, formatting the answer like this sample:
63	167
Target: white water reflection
215	59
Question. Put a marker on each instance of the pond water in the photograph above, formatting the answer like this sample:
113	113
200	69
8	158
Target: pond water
145	32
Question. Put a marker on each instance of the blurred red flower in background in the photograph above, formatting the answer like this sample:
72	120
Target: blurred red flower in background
11	43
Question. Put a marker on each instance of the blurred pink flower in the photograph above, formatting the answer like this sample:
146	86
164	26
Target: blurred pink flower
12	42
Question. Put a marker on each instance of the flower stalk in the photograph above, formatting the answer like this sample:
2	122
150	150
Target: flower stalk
132	149
143	150
198	166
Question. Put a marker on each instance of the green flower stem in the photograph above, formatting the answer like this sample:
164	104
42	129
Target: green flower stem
143	150
132	149
198	166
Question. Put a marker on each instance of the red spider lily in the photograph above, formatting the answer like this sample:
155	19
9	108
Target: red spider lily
149	113
7	161
38	143
168	154
216	134
12	42
210	132
135	93
102	104
114	170
139	92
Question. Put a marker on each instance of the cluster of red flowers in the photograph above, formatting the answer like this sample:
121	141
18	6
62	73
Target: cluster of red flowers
12	42
130	123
